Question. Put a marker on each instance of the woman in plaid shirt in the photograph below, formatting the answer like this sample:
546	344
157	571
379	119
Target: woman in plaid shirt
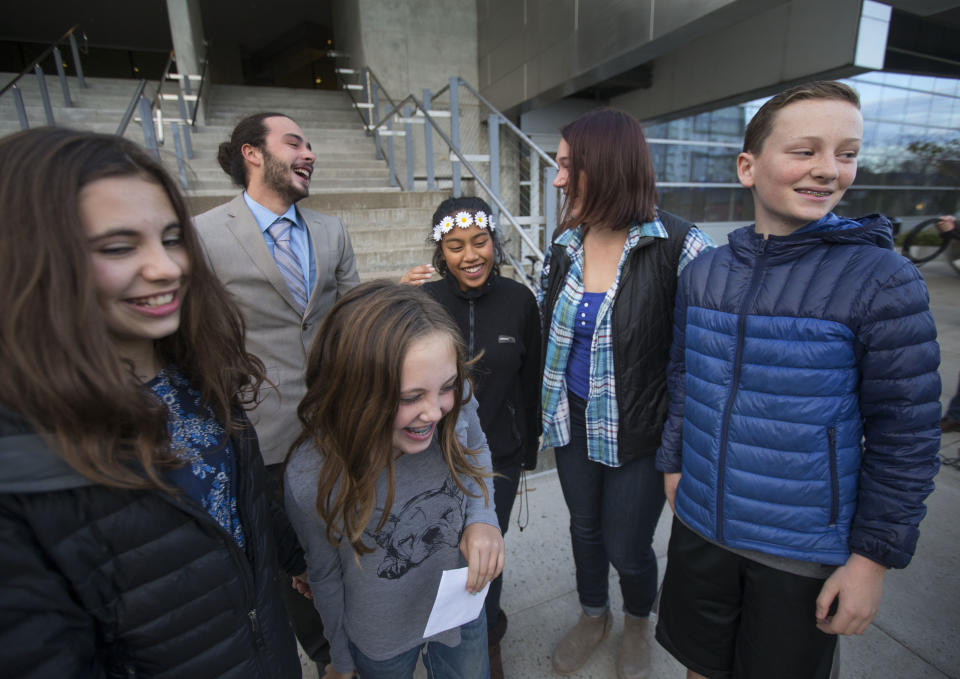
607	294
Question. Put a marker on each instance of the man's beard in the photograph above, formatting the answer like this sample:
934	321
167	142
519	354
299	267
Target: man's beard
276	176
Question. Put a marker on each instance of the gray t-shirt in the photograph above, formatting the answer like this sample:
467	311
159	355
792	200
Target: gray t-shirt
382	603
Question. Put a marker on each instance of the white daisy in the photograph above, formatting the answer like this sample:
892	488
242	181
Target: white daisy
480	219
446	224
464	220
437	235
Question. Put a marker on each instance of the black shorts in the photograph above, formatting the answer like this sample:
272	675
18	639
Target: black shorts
724	615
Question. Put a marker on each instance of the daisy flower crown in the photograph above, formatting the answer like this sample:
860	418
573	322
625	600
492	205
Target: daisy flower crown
464	220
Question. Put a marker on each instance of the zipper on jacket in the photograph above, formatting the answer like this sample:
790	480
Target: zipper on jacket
834	480
748	301
470	342
255	626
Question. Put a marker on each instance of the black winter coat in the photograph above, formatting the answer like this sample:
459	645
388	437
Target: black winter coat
103	582
502	320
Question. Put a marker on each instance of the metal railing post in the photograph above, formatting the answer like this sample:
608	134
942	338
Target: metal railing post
185	89
455	132
493	131
62	76
390	162
181	166
76	61
44	95
408	138
149	133
428	144
376	117
535	194
550	205
366	113
187	143
21	109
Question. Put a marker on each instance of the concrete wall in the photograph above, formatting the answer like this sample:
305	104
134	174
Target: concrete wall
409	44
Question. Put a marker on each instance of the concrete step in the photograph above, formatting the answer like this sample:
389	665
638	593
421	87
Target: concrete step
391	199
390	258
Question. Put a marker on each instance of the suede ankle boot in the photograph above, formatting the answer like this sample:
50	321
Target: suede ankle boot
634	659
573	650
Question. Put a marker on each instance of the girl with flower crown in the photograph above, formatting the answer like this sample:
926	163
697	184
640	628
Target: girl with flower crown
138	536
500	324
389	485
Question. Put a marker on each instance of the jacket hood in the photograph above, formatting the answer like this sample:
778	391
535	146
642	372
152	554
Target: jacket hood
872	229
27	464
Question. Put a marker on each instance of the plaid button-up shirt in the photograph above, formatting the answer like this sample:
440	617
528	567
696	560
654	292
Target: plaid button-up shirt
602	415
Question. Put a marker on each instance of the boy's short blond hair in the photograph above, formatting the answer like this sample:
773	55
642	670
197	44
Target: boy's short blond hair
760	126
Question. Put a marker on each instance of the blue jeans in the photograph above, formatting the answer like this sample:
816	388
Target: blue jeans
467	660
613	515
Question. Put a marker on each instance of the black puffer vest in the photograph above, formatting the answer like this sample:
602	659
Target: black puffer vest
642	332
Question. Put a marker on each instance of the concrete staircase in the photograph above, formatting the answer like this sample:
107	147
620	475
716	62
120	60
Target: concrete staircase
388	227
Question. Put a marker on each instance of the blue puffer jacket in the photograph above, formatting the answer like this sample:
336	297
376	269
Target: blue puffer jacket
805	394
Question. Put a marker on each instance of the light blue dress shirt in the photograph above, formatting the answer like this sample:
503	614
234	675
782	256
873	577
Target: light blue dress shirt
299	236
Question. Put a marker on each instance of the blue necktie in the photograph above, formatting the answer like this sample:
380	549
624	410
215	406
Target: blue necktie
287	260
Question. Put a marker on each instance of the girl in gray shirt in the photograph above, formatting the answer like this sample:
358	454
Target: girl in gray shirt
389	485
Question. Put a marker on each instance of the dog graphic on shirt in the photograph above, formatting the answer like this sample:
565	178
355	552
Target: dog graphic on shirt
427	522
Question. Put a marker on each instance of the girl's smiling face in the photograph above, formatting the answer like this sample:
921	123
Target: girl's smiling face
138	261
427	383
469	255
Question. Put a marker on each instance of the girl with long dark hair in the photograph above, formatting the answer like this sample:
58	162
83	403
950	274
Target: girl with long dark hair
138	539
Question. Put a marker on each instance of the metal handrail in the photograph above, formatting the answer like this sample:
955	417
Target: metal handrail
383	89
486	187
163	78
196	104
409	99
43	55
131	107
505	121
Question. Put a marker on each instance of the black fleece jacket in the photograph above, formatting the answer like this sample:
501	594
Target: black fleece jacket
103	582
501	319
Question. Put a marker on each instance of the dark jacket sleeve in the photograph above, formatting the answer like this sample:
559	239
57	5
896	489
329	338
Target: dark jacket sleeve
671	441
900	405
289	552
44	632
530	378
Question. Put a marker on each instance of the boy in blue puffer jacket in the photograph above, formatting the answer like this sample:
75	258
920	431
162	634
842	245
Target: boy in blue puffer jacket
802	435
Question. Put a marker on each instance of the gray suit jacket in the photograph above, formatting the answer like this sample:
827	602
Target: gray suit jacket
276	330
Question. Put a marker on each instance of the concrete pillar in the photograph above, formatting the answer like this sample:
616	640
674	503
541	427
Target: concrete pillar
186	29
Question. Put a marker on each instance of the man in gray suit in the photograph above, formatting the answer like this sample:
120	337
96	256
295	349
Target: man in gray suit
285	266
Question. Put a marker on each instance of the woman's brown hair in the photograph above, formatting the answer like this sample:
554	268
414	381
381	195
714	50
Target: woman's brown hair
608	149
353	392
59	369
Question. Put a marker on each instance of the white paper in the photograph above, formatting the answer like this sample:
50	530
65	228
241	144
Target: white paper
454	606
